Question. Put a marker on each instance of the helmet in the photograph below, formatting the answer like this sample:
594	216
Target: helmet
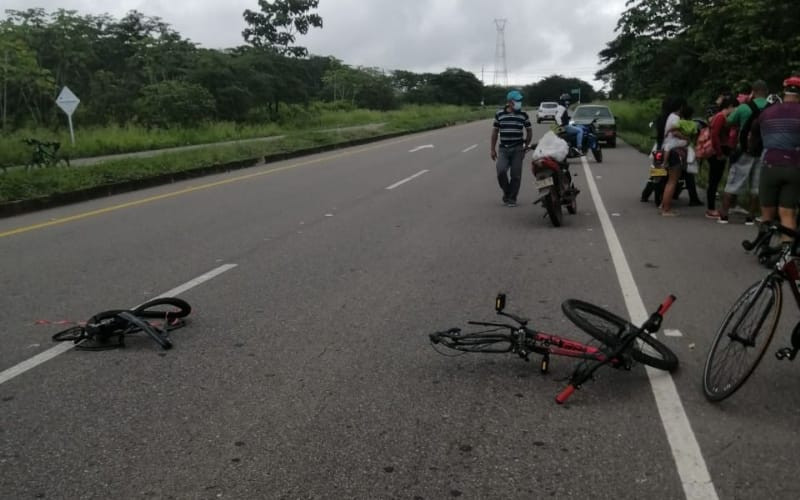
514	95
792	85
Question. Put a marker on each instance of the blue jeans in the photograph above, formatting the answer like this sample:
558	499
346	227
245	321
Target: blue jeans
578	133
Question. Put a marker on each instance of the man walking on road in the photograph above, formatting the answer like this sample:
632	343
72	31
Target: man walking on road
508	126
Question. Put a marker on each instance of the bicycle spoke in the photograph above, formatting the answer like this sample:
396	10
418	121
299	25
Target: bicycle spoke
742	340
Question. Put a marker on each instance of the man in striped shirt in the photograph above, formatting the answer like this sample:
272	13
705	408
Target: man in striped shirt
508	126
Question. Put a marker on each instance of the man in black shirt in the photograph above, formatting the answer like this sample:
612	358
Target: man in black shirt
508	126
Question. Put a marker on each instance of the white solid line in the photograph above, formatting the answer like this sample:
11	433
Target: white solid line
426	146
406	179
63	347
686	452
470	148
197	281
673	333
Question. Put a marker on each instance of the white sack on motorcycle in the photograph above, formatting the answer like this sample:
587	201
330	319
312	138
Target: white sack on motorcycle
550	145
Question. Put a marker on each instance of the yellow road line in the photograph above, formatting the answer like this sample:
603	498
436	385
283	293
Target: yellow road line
201	187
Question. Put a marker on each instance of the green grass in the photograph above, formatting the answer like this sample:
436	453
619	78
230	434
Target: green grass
21	184
633	121
100	141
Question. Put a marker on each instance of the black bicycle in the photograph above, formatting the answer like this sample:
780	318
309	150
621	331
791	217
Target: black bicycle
621	342
748	328
45	154
107	330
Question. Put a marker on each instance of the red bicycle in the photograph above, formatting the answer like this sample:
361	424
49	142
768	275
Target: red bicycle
621	343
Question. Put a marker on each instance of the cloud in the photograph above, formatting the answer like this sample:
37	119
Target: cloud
542	37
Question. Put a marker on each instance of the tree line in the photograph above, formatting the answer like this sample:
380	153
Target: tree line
695	48
138	69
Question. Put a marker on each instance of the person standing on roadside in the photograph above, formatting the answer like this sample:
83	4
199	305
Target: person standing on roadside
744	167
512	127
716	163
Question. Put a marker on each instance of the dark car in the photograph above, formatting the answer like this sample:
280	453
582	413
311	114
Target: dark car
606	124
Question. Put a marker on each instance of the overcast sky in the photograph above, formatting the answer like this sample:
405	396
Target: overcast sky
542	37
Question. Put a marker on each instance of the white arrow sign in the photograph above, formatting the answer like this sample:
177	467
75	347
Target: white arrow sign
418	148
68	101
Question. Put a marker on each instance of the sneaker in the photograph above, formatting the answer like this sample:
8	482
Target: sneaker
511	202
758	219
749	221
723	219
669	213
712	214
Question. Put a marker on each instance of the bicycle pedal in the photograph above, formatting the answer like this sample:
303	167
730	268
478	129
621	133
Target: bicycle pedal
786	353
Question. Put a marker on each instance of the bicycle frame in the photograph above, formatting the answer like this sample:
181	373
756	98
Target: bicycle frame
786	269
522	338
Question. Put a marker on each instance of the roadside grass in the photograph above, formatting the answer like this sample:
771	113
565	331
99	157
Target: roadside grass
115	139
21	184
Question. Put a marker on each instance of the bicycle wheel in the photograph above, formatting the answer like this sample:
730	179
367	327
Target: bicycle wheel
741	340
610	329
177	308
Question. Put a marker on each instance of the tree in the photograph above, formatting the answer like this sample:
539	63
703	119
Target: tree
694	47
551	87
278	22
25	82
457	86
174	103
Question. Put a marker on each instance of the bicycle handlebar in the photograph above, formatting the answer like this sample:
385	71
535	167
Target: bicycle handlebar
565	394
664	307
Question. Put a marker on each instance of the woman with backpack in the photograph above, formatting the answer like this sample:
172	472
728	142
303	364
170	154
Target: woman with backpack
716	142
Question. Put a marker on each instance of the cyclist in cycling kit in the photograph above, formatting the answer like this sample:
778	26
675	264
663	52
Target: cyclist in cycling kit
779	129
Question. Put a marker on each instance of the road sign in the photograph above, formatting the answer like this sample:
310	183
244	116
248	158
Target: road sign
68	102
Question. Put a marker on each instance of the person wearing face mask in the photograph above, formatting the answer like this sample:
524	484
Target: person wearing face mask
508	127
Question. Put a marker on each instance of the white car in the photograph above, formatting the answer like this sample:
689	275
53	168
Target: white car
546	111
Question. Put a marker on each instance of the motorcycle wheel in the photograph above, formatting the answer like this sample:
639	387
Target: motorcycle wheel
598	154
552	203
572	206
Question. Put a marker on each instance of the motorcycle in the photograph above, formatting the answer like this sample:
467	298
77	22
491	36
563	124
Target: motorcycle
553	180
590	141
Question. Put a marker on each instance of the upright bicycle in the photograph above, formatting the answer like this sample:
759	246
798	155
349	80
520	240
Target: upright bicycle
748	328
621	343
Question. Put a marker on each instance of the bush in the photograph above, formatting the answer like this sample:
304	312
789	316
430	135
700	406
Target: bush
174	102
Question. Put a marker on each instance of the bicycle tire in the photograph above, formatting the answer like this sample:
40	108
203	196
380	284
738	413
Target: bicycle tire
150	309
716	386
609	329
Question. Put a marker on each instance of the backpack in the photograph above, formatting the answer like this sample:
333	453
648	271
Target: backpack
704	147
744	133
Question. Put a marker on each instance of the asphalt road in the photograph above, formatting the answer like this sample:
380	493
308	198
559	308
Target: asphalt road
305	371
